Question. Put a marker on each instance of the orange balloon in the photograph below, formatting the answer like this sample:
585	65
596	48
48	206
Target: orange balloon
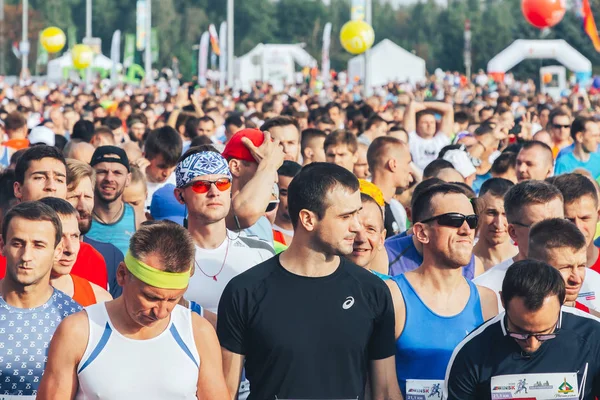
543	13
547	78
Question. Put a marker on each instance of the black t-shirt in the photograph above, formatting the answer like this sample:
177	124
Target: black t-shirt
488	352
307	338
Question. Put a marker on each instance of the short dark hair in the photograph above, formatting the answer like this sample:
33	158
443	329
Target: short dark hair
375	120
308	190
83	130
378	148
170	242
575	186
163	141
526	193
421	204
234	120
200	140
308	135
557	112
533	281
341	136
497	187
36	153
554	233
461	117
423	186
504	162
434	167
484	109
289	169
7	194
15	120
280	121
423	113
33	211
541	145
60	206
579	125
206	118
113	123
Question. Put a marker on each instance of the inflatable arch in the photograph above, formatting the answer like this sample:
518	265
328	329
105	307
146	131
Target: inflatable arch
558	50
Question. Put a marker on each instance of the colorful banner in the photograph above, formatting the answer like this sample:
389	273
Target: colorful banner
325	61
203	58
214	39
115	55
129	51
140	25
154	45
223	57
589	25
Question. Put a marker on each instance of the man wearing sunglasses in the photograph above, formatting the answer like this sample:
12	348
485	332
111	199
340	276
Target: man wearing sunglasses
559	243
436	295
559	127
553	349
526	203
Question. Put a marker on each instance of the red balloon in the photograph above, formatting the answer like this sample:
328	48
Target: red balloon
543	13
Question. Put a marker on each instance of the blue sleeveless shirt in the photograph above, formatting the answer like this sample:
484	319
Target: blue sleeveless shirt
117	234
428	339
404	257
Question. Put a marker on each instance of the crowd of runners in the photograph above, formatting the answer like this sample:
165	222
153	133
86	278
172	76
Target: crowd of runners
436	241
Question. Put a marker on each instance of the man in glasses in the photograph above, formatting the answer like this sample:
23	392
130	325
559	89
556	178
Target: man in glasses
586	136
553	349
534	161
436	295
204	187
561	244
559	127
526	203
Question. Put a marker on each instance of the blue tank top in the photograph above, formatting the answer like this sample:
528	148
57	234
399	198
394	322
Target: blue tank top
25	335
117	234
404	257
5	157
428	339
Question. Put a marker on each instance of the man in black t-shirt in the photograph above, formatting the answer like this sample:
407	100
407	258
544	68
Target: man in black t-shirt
309	324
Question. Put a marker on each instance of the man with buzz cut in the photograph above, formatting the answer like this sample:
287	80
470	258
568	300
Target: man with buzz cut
143	345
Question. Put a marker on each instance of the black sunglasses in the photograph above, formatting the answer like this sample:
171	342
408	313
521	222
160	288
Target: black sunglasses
541	337
558	126
454	220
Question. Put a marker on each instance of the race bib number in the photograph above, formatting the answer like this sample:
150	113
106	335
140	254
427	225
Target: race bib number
421	389
535	386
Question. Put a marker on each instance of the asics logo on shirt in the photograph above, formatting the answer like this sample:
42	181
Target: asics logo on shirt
348	303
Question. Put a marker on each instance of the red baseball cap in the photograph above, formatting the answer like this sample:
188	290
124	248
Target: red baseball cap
235	148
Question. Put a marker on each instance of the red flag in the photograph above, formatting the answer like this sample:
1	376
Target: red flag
589	25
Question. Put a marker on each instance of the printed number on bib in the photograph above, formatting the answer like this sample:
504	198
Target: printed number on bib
536	386
424	389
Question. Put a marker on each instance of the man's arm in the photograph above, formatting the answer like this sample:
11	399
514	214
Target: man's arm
232	369
410	119
399	307
383	380
252	200
461	378
211	383
447	111
489	302
66	350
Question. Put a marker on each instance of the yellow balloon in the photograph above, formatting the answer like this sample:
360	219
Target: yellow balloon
357	37
53	39
82	55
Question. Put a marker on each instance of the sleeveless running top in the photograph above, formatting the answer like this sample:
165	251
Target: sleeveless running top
404	257
83	293
116	367
428	339
118	233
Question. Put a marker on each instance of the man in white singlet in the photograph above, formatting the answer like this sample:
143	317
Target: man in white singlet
142	345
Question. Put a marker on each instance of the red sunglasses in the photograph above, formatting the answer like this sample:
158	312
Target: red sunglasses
204	186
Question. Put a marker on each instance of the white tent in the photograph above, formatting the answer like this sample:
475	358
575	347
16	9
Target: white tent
57	66
388	62
272	63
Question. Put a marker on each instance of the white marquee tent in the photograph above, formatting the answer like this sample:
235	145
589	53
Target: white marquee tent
273	63
388	62
56	66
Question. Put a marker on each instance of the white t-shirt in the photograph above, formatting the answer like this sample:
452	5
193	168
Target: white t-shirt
424	151
399	214
493	278
153	187
589	294
242	254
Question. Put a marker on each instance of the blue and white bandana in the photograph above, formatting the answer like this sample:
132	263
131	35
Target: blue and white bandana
199	164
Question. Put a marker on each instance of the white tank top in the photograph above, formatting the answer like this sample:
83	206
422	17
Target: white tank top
116	367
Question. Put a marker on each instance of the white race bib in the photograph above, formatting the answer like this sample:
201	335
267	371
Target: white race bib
424	389
535	386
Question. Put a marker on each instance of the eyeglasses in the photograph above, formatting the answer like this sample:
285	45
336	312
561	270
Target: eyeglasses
521	224
558	126
272	205
204	186
454	220
540	337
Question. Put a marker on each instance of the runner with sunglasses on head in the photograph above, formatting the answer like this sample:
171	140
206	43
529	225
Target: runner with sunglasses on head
554	349
436	295
204	187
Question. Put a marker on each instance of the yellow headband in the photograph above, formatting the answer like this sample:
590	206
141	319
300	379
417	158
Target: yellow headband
370	189
155	277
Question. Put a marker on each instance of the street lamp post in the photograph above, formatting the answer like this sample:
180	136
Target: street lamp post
24	48
148	53
230	62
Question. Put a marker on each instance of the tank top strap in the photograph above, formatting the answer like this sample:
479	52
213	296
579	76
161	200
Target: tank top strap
474	302
83	292
100	332
182	331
